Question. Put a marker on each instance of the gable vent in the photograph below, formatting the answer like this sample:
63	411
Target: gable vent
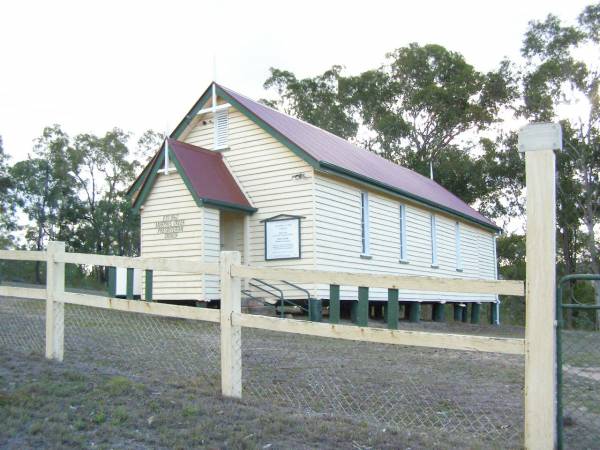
221	126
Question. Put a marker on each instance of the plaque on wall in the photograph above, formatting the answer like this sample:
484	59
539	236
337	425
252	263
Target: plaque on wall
282	237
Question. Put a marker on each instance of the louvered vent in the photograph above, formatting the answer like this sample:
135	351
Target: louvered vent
221	126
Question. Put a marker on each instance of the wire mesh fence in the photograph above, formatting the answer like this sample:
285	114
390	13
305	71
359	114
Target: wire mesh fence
144	345
580	384
22	325
468	399
127	343
464	397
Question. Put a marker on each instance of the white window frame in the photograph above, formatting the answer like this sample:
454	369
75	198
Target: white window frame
364	223
458	250
402	231
434	256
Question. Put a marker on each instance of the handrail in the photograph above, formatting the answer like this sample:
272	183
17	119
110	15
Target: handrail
308	297
280	297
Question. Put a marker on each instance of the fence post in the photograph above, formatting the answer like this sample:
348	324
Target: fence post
55	311
231	336
539	141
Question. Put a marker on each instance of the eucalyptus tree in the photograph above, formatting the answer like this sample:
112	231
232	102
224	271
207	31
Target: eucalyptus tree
43	190
421	108
7	206
562	69
102	170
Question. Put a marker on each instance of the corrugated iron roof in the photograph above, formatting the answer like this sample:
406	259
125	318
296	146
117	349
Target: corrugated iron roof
330	150
208	175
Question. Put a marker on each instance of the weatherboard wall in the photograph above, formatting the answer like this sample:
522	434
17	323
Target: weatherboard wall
338	242
272	177
169	196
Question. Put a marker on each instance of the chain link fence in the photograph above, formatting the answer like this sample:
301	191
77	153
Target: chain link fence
461	398
127	343
470	399
23	325
579	370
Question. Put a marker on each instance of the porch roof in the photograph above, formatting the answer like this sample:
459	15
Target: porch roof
204	173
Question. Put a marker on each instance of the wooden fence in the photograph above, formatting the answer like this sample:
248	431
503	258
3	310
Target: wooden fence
230	317
537	141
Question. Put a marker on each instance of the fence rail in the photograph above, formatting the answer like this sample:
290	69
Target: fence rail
231	320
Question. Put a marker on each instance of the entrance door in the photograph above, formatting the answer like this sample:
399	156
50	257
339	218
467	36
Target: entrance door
232	231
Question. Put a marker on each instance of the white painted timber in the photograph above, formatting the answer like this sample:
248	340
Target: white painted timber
23	255
55	310
338	239
141	307
231	333
21	292
267	173
170	197
540	334
502	287
383	336
167	264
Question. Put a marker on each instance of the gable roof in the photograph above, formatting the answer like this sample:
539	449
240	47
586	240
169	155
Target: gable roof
329	153
204	173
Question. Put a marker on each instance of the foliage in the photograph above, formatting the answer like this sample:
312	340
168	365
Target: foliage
7	207
416	109
73	189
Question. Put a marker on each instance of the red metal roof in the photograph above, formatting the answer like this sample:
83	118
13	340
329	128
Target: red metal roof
327	148
206	172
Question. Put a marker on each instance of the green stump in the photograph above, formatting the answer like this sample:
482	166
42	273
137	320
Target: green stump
112	282
475	313
334	303
148	285
457	312
315	310
465	313
361	313
439	312
414	312
493	314
392	309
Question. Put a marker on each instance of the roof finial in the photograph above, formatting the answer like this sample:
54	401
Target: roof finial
166	150
214	67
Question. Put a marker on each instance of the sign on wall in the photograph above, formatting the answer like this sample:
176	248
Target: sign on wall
170	226
282	237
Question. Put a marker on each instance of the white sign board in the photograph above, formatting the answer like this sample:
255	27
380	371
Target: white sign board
282	239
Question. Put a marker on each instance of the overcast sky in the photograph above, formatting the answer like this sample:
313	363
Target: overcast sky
93	65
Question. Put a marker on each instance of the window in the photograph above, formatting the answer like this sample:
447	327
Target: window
364	222
459	266
220	131
434	261
402	231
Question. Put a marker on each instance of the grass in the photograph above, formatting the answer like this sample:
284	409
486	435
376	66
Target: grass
133	381
51	405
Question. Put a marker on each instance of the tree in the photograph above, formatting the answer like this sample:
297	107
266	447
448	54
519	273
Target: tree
315	100
7	206
555	75
101	172
416	109
147	145
43	190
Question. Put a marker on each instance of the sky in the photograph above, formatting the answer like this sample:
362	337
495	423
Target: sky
94	65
